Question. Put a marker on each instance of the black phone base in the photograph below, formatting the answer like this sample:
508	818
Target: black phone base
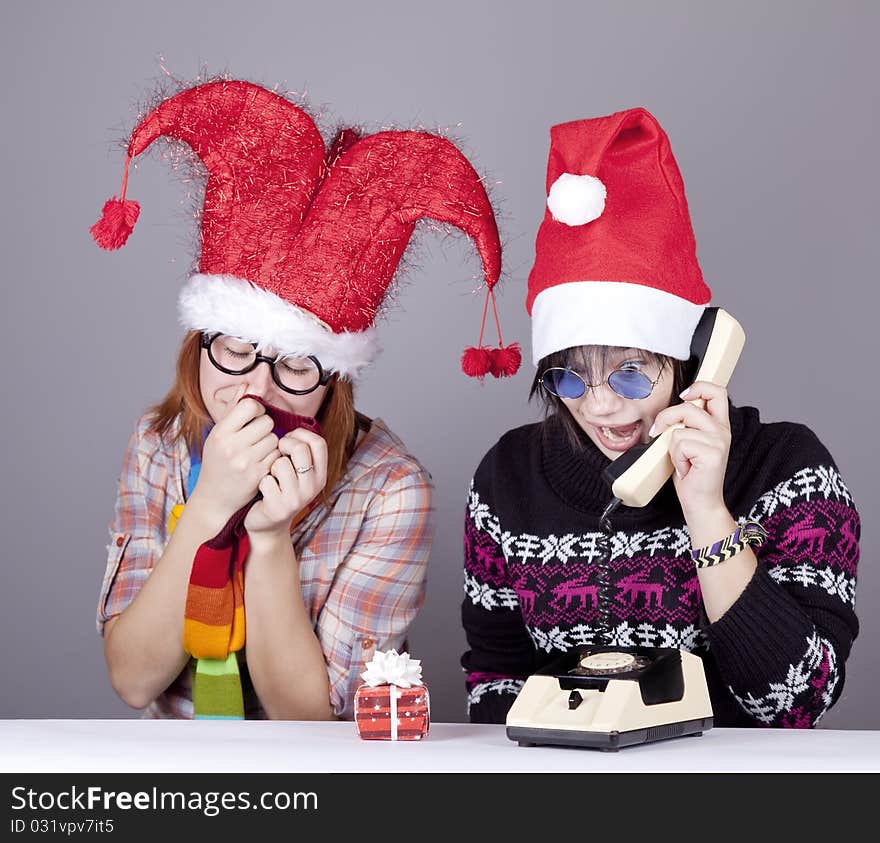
610	741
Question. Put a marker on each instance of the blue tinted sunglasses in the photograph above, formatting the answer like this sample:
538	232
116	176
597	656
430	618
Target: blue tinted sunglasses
628	383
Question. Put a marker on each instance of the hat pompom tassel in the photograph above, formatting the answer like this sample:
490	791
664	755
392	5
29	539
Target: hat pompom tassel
116	223
505	361
476	362
118	218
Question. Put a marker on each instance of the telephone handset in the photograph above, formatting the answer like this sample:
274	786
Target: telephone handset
637	475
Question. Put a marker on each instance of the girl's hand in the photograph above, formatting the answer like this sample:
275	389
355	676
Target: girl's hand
238	453
294	480
700	449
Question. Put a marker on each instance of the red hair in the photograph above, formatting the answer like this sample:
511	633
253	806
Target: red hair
184	399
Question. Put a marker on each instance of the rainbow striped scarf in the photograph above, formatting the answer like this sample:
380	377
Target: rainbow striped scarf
214	617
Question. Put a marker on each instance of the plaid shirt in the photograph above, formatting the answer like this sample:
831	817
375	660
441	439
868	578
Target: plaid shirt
363	556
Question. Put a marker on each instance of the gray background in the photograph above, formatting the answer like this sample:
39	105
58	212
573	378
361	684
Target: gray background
772	113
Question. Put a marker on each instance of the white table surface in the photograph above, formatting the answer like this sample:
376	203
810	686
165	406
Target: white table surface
110	746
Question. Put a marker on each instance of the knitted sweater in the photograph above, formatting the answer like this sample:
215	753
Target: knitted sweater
541	576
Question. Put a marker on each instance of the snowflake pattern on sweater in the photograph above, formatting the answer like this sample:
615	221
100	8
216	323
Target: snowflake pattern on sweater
549	585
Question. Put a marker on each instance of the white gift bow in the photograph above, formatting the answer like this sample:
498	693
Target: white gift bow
393	668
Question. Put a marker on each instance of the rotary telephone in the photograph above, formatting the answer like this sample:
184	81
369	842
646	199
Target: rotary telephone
637	475
607	697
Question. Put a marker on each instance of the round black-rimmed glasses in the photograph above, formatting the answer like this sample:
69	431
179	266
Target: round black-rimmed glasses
296	375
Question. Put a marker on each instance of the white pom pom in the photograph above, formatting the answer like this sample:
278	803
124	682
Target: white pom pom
576	200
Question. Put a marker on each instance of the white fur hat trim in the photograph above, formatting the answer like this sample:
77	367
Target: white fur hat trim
230	305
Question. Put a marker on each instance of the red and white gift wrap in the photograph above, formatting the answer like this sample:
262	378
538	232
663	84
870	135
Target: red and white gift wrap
392	713
392	704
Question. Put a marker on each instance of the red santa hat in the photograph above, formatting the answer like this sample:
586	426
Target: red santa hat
299	245
616	259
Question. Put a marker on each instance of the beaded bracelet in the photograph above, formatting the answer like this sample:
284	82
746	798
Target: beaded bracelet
750	533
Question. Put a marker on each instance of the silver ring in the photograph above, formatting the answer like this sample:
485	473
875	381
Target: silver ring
305	470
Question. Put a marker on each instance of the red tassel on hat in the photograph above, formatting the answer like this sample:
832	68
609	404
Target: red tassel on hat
476	362
117	218
505	360
116	223
479	361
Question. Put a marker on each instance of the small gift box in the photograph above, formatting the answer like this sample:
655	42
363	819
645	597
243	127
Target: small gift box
393	704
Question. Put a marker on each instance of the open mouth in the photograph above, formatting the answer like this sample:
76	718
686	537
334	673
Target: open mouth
620	438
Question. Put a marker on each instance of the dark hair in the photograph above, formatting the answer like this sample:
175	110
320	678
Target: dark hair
591	360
